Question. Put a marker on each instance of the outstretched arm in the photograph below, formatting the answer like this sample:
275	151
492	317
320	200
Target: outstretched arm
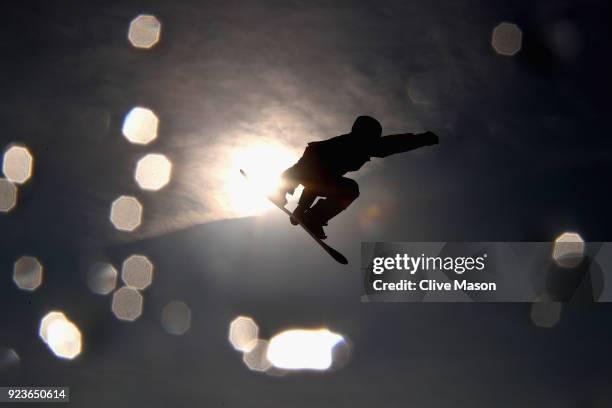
404	142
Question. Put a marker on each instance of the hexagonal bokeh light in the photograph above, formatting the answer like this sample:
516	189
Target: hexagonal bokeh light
568	249
9	360
422	89
28	273
507	39
127	304
140	126
47	320
256	358
102	278
176	317
126	213
17	164
303	349
8	195
545	313
64	339
137	272
243	333
61	335
153	171
144	31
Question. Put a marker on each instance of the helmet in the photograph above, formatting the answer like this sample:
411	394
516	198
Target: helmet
366	126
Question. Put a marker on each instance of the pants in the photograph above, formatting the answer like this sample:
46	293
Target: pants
337	192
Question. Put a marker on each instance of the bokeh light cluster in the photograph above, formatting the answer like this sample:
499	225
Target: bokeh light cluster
137	275
140	127
17	168
290	350
61	335
153	171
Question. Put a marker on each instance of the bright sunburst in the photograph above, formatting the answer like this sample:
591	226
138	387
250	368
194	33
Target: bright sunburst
264	163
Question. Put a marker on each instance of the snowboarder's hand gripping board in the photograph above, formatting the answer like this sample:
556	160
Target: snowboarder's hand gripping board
331	251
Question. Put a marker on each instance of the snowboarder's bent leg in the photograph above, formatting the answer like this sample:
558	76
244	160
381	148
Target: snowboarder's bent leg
339	194
306	199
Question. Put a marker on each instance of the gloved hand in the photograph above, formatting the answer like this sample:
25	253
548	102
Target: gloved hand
430	138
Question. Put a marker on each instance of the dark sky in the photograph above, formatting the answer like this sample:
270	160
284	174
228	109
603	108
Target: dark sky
524	155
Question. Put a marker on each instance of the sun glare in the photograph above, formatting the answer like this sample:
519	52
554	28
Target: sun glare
264	164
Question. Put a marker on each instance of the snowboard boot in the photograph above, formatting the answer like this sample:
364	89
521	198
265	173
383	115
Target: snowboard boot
314	224
298	214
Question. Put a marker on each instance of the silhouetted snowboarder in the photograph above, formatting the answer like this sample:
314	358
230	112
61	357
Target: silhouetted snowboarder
322	167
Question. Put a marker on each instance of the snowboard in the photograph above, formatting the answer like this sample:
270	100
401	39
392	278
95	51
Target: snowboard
338	257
